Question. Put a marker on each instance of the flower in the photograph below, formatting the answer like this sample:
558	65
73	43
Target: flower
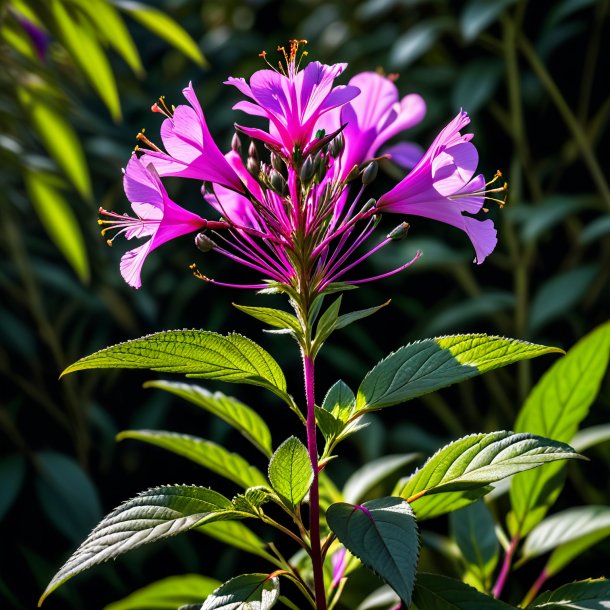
157	217
441	186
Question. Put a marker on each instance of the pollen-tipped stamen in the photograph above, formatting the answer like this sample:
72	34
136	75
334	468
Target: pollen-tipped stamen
142	138
486	190
122	223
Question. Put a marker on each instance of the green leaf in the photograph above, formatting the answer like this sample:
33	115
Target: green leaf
203	452
67	495
168	593
229	409
582	595
354	316
479	14
473	530
383	534
569	533
235	533
290	471
361	482
89	55
152	515
589	437
12	475
555	408
245	592
477	460
339	401
112	29
273	317
473	89
426	366
416	41
195	353
164	27
326	324
435	592
58	220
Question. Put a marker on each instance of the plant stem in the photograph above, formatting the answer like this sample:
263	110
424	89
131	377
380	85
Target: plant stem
531	594
506	565
314	494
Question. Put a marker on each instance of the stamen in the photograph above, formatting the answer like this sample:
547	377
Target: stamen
485	191
142	138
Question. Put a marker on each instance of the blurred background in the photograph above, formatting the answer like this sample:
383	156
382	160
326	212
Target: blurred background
77	79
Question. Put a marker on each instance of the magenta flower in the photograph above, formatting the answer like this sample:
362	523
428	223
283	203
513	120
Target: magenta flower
157	217
442	187
191	151
292	101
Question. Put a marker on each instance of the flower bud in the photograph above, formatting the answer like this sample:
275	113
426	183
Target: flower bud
253	166
278	182
400	232
236	144
335	148
307	171
320	165
253	151
368	205
277	163
204	243
370	173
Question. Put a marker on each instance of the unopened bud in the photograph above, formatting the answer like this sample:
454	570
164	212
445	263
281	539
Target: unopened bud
335	148
370	173
368	205
278	182
307	171
204	243
253	151
400	232
276	162
320	165
253	166
236	144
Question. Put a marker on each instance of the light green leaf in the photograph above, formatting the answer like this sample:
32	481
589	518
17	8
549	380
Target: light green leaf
168	593
555	408
383	534
273	317
164	27
326	324
339	401
435	592
58	220
229	409
152	515
89	55
112	29
473	530
569	533
363	480
426	366
583	595
354	316
245	592
477	460
479	14
290	471
235	533
205	453
195	353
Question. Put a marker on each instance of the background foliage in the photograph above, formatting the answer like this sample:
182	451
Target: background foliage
532	77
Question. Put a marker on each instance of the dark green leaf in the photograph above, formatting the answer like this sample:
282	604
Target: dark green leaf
555	408
425	366
583	595
168	593
416	41
354	316
290	471
203	452
477	84
12	474
230	410
152	515
383	534
245	592
479	14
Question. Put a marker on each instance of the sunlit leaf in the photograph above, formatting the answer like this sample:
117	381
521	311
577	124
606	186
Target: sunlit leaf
383	534
290	471
203	452
273	317
583	595
245	592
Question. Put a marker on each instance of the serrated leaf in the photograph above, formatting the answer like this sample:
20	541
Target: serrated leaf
583	595
329	425
273	317
436	592
339	401
164	27
473	530
203	452
168	593
152	515
59	220
479	14
568	533
363	480
477	460
383	534
426	366
235	533
89	55
195	353
245	592
290	471
229	409
354	316
555	408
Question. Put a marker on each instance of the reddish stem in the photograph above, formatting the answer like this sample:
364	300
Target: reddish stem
506	565
314	495
531	594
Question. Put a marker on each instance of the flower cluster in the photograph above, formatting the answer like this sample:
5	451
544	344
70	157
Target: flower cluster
299	217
